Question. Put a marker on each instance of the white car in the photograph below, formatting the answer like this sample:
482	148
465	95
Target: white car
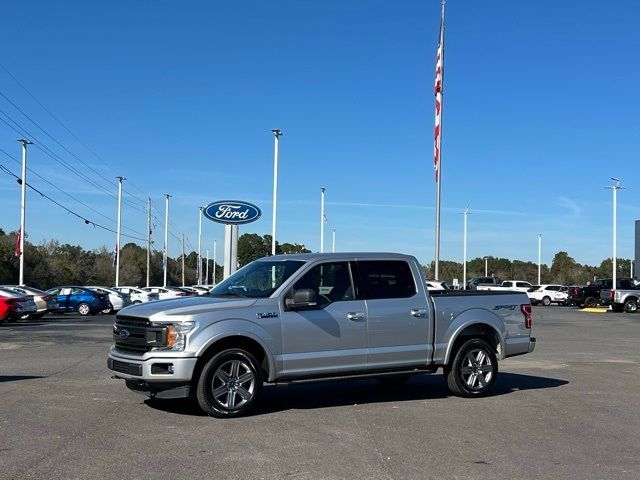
548	294
436	285
138	295
118	299
508	285
165	293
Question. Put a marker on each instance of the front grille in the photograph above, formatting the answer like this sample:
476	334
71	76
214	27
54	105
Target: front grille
136	336
124	367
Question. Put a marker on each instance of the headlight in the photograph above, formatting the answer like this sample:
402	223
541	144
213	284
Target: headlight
177	335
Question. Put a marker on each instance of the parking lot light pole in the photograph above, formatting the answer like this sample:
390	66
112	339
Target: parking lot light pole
119	233
215	253
614	189
466	213
486	266
165	258
539	255
276	136
333	241
199	270
23	205
206	275
322	219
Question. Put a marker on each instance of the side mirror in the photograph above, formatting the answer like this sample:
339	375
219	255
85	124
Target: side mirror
304	298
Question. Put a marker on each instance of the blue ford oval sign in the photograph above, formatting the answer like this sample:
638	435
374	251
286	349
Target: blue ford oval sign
232	212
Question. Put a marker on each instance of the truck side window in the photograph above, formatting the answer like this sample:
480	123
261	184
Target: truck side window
386	279
331	282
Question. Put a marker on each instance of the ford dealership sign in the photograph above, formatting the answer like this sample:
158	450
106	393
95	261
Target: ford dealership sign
232	212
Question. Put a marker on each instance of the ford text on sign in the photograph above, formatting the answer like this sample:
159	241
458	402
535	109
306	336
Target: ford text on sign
232	212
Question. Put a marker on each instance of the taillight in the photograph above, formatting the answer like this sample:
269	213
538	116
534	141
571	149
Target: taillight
612	294
526	311
45	298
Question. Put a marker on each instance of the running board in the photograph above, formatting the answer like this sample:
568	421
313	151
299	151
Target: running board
352	376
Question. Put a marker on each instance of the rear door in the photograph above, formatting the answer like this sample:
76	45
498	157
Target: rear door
63	299
398	316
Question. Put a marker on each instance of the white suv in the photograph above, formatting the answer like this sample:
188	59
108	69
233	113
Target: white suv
548	294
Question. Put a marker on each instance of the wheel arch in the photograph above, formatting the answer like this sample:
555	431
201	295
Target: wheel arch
242	340
476	329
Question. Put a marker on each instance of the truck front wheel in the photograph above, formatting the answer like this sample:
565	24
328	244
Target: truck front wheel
230	384
473	370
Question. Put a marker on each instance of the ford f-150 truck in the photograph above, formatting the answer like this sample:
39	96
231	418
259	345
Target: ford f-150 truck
290	318
625	300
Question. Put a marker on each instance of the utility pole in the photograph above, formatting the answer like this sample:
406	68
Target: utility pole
199	270
323	219
183	259
276	135
215	247
148	240
614	189
23	206
165	259
486	266
466	213
539	256
120	179
333	241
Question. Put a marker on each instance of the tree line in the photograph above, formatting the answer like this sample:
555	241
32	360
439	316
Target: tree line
51	263
564	270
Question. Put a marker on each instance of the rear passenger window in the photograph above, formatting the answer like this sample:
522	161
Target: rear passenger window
385	279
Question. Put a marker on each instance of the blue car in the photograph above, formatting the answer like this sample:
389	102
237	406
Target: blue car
81	300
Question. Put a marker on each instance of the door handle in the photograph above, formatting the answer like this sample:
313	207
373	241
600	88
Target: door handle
419	312
356	316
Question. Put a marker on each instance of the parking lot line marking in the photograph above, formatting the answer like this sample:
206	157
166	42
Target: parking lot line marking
595	310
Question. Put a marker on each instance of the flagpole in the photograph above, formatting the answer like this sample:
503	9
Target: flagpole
438	140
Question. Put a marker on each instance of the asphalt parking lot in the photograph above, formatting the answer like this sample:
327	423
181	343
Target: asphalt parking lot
570	410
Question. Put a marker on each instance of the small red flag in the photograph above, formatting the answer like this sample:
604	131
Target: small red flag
18	251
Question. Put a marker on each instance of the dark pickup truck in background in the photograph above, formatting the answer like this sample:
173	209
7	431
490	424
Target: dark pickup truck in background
599	292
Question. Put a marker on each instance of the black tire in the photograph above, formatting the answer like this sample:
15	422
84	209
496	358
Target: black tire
84	309
546	301
222	367
534	302
37	316
631	305
470	374
617	308
590	302
393	380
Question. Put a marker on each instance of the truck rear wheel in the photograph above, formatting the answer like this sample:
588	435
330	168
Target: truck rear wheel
631	305
473	370
590	302
230	384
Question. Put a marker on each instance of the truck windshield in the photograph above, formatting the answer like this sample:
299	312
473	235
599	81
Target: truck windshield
257	279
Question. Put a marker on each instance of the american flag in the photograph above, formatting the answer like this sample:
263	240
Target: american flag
438	93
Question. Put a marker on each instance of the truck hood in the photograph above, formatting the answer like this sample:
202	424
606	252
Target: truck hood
177	309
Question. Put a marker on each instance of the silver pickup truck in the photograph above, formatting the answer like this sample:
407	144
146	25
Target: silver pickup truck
291	318
624	300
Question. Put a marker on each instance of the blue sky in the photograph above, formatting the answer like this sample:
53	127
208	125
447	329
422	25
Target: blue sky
541	108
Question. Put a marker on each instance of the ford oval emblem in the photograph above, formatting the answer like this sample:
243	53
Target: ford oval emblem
124	334
232	212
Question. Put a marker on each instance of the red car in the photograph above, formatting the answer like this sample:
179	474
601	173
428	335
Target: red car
8	308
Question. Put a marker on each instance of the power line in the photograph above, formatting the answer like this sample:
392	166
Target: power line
68	194
93	152
68	210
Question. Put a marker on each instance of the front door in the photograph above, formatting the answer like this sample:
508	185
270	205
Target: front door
332	337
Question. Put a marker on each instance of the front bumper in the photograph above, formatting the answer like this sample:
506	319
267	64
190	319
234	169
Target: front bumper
153	370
